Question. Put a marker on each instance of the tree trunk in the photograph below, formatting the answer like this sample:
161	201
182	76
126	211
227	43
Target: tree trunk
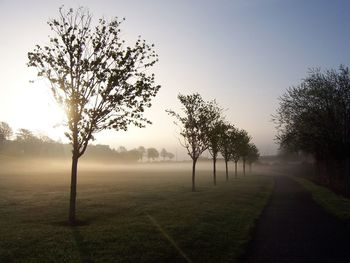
73	190
250	167
243	166
226	170
214	170
194	175
236	169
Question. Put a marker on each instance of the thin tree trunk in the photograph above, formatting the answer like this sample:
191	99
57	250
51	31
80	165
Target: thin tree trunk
226	170
250	167
236	169
194	175
214	170
73	190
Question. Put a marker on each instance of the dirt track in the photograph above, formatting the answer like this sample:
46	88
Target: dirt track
293	228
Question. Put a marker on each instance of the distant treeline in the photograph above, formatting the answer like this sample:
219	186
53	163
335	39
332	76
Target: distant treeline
30	145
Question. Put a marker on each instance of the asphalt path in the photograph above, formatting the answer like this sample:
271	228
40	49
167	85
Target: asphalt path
293	228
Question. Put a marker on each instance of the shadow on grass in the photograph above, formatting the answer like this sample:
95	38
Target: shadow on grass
84	252
76	224
78	239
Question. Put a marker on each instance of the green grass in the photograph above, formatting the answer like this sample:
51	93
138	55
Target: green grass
131	214
335	204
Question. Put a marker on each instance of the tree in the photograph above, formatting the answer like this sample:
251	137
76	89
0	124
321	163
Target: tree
193	124
225	142
27	142
5	130
121	149
152	153
99	81
234	141
26	135
242	141
314	117
5	133
253	155
163	154
45	139
170	156
213	133
141	150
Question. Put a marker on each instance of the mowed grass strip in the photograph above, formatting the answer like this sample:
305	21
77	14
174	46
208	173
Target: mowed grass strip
129	215
335	204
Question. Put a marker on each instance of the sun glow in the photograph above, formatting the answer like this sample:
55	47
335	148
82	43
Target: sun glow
40	113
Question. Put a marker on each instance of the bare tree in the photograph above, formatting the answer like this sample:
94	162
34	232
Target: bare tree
100	82
193	126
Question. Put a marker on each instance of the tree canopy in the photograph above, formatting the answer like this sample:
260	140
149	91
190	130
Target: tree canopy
315	116
194	122
5	131
99	81
152	153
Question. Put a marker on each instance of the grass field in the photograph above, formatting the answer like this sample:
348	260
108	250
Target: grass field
335	204
140	213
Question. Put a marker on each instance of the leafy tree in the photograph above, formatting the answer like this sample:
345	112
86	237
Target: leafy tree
193	125
314	117
163	154
122	149
243	140
234	146
5	133
26	135
214	132
253	155
141	150
238	144
132	155
152	153
45	139
99	81
227	136
170	156
27	142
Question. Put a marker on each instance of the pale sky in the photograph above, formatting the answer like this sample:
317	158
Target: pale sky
242	53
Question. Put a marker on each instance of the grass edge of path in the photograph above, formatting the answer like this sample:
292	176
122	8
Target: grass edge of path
243	256
337	205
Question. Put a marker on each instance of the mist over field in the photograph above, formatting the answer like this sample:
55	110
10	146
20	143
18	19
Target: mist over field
50	170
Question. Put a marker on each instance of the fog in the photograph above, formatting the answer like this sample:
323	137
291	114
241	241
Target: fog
20	171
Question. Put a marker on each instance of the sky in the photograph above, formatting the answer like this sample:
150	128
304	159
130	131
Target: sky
243	53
